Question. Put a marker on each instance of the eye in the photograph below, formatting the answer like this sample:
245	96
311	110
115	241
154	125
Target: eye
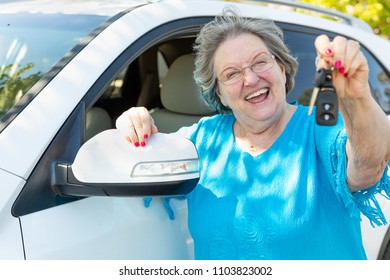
260	61
230	74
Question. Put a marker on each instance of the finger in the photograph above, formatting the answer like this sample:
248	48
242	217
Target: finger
324	49
352	57
147	123
358	68
154	127
131	126
323	45
339	48
137	133
131	135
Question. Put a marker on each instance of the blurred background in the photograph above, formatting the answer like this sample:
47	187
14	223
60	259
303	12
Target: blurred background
375	12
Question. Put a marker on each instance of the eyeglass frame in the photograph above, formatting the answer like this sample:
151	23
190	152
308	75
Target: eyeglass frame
242	70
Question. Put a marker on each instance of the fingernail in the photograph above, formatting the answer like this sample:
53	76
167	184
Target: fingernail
136	144
346	75
337	64
328	51
143	144
342	70
146	136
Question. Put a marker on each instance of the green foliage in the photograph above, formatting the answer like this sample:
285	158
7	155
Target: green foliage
14	84
375	12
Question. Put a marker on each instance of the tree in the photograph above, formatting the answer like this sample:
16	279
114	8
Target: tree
375	12
14	84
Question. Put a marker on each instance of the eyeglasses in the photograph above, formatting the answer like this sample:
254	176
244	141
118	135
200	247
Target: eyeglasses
261	63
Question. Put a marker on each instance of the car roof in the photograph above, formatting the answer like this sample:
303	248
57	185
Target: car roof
111	8
316	10
91	7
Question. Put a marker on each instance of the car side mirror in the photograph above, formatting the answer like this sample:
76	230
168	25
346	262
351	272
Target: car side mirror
107	165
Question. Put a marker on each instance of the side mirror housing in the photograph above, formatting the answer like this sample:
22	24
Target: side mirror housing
107	165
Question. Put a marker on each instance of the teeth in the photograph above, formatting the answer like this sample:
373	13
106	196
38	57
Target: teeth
257	93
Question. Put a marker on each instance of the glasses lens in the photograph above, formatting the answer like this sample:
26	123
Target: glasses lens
261	63
230	76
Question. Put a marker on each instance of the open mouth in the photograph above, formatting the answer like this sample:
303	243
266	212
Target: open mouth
258	96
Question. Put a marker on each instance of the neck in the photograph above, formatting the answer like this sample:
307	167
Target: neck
257	139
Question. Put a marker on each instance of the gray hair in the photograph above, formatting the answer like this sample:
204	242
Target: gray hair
230	25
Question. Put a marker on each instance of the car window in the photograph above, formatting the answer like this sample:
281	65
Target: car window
379	81
301	45
31	44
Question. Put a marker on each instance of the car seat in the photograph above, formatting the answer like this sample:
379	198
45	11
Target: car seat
181	97
96	120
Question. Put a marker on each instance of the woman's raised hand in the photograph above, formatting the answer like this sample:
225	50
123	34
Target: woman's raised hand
350	75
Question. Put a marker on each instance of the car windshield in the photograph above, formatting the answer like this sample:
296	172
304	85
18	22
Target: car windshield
31	44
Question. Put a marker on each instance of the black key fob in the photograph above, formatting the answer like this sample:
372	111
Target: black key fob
327	102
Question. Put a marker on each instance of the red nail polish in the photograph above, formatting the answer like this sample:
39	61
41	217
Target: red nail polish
337	64
136	144
346	75
328	51
342	70
146	136
143	144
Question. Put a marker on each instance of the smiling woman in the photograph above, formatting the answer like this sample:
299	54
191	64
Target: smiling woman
278	185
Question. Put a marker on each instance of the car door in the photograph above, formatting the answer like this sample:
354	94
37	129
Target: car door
60	227
11	245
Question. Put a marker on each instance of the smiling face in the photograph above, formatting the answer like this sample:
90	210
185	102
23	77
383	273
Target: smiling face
258	98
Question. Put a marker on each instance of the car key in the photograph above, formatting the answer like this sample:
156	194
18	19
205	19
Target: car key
319	79
313	99
325	98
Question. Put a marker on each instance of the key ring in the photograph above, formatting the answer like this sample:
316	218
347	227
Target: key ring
317	60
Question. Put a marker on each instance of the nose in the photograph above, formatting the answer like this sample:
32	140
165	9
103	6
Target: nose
249	76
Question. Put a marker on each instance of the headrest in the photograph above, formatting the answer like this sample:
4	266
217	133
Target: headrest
179	92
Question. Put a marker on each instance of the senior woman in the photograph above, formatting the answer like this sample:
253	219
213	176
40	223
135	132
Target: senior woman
274	184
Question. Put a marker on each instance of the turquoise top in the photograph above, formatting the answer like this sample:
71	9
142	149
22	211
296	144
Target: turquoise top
290	202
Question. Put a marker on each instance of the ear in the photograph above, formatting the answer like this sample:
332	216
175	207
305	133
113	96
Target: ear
220	95
283	69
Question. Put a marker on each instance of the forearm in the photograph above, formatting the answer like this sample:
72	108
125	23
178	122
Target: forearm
368	146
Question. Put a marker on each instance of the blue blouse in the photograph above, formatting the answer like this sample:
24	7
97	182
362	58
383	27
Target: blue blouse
290	202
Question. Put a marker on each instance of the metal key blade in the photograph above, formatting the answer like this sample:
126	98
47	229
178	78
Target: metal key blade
313	99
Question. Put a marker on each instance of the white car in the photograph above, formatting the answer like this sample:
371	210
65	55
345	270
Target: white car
68	69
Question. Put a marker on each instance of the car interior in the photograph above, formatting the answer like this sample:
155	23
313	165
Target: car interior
161	79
